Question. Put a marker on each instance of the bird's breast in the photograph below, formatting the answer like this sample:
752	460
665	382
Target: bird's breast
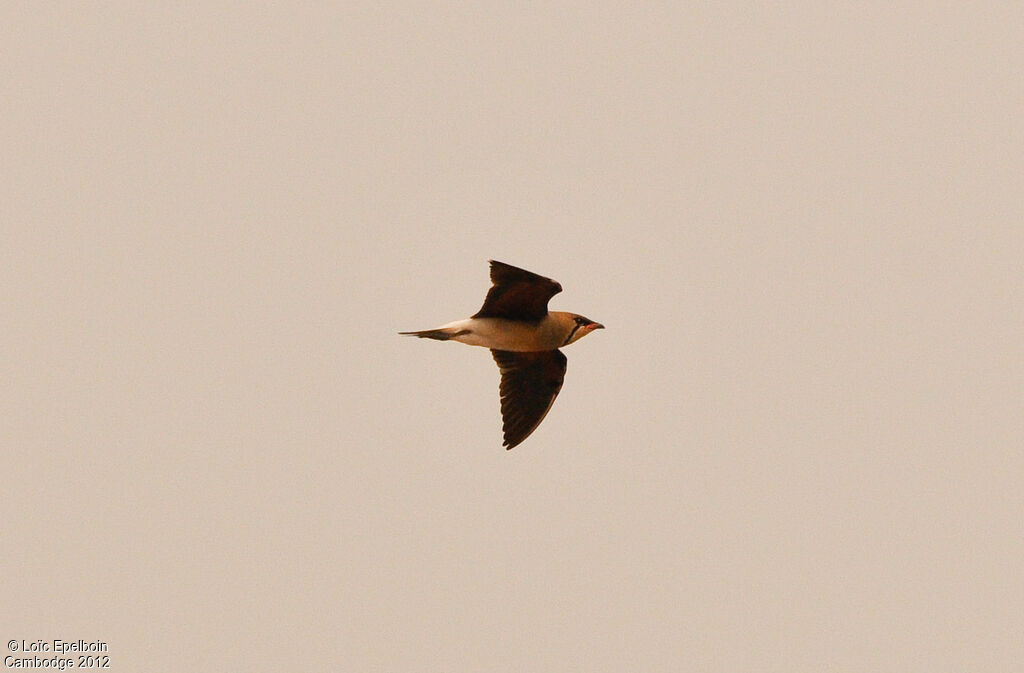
507	335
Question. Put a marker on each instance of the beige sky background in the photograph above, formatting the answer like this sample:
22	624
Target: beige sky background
797	446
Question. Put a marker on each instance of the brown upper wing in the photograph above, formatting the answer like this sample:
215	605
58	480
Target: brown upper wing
517	294
529	385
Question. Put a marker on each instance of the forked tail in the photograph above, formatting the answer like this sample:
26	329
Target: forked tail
439	334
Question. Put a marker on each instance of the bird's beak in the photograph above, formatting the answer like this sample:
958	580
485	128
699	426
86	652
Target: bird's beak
595	325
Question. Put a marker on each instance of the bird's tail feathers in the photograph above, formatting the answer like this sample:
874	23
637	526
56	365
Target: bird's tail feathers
439	334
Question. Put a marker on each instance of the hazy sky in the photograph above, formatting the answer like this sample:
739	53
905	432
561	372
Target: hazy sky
797	446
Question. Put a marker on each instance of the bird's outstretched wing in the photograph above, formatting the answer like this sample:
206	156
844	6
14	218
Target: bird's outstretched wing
517	294
530	383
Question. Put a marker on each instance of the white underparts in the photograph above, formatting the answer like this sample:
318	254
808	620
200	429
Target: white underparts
508	335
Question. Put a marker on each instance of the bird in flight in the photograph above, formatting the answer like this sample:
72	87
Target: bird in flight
524	338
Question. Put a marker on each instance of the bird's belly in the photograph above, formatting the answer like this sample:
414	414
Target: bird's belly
504	335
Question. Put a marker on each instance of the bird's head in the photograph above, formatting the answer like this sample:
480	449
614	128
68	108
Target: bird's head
582	327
